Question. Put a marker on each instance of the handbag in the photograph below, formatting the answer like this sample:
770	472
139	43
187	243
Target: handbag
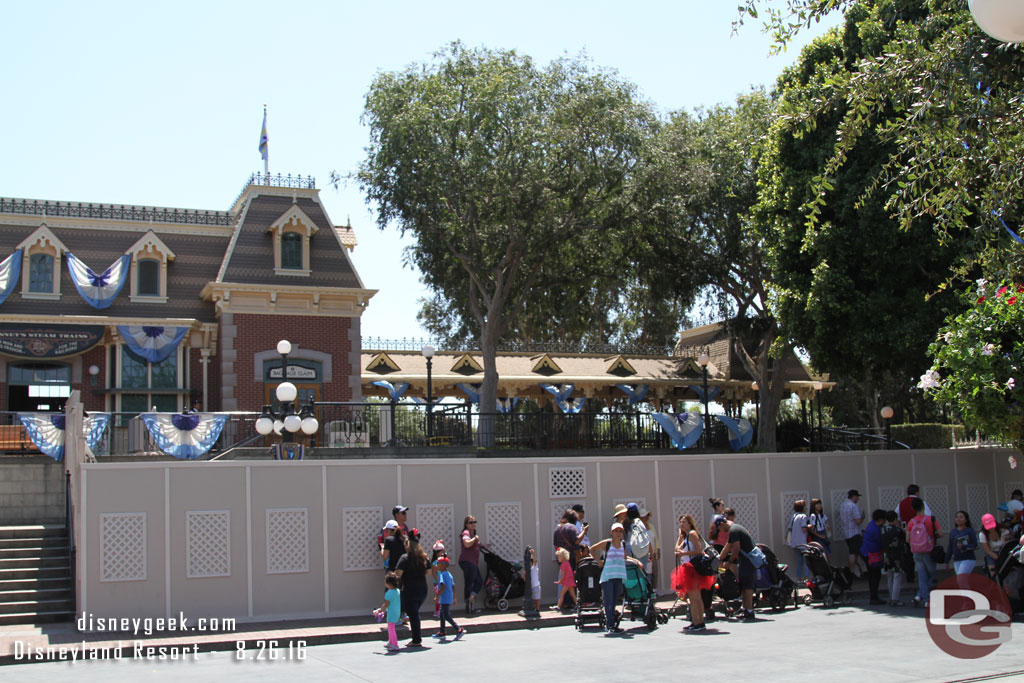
938	552
706	564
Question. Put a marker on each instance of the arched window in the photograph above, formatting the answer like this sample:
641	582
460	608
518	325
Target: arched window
291	251
149	278
40	273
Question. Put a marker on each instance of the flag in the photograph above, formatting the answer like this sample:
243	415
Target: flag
264	153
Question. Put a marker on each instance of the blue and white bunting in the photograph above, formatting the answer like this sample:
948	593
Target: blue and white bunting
636	393
395	391
10	271
741	432
47	431
472	391
562	394
712	392
99	290
184	436
152	342
507	405
684	429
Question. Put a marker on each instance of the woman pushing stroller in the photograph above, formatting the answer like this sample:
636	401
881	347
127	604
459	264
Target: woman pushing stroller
613	573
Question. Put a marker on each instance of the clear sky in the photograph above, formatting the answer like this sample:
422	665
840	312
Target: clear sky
160	103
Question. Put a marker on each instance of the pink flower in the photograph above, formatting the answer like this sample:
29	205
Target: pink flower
1011	383
1012	300
1002	290
988	350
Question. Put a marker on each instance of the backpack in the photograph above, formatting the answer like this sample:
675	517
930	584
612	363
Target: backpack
921	539
893	545
639	539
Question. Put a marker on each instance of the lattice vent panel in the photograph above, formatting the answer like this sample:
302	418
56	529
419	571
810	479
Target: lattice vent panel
977	503
505	529
360	527
437	522
559	507
937	497
838	498
686	505
745	505
788	498
288	540
567	482
1009	487
208	543
889	497
123	546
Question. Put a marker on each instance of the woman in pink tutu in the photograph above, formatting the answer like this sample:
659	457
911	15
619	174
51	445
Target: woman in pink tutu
685	579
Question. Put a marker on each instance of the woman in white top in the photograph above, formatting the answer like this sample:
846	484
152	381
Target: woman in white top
613	573
798	536
685	579
819	527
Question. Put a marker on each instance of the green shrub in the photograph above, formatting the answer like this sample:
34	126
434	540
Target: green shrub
927	435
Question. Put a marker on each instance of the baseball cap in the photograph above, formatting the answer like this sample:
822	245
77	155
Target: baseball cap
617	526
988	521
392	524
852	492
398	508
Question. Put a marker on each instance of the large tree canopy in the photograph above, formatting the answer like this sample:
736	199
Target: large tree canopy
512	178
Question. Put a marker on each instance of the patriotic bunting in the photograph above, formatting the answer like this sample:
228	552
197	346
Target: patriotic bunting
712	392
562	394
151	342
470	390
184	436
395	391
10	270
683	429
636	393
99	290
47	431
741	432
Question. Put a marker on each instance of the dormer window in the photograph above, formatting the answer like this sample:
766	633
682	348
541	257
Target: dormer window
40	267
40	273
291	251
150	257
291	233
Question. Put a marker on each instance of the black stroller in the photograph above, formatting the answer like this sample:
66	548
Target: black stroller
829	583
504	581
589	605
725	595
772	584
1010	575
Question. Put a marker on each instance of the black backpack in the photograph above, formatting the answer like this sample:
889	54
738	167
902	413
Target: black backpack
893	545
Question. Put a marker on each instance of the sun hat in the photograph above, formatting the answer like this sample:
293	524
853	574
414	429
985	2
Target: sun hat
988	521
620	509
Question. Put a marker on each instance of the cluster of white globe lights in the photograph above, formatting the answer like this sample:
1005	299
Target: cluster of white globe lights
286	393
1001	19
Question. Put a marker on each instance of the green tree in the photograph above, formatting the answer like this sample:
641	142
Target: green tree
513	180
851	288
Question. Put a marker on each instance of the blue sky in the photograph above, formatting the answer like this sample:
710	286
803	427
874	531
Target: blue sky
160	103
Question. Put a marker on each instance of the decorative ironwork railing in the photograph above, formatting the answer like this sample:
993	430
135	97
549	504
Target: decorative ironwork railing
514	346
115	212
279	180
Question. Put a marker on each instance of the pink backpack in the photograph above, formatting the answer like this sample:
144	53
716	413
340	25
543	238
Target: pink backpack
921	539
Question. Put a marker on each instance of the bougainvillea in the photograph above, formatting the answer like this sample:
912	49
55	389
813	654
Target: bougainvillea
979	362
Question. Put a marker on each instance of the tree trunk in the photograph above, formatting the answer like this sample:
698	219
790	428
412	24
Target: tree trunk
489	335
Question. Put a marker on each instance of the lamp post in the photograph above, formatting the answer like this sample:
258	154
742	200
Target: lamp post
757	403
285	420
818	386
94	370
703	360
887	412
428	353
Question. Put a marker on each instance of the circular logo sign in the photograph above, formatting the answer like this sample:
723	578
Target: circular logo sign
968	616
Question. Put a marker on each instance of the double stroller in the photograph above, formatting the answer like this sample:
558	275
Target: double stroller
504	581
638	598
828	584
772	584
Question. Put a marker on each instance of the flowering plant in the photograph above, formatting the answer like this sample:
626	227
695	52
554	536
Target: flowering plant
978	362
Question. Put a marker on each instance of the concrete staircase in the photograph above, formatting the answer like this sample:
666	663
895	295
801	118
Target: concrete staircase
35	575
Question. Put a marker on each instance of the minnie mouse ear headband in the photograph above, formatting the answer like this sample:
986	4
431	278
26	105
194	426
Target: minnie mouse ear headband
438	545
414	535
442	558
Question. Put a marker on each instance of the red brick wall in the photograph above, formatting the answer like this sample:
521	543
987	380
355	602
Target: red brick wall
262	332
92	400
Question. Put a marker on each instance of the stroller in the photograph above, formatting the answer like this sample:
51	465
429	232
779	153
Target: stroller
1010	575
725	595
639	598
589	606
772	584
828	583
504	581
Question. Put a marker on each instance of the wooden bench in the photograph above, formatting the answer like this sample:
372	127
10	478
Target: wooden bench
15	438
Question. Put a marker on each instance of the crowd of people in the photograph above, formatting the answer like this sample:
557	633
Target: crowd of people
900	544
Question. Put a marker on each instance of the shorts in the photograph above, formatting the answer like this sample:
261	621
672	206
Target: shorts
853	543
747	574
535	592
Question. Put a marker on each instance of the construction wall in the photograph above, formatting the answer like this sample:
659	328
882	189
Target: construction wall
267	540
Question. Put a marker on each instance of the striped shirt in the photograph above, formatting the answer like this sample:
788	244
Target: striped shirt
614	563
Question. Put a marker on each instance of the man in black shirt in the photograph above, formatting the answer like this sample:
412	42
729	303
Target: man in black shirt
394	545
736	554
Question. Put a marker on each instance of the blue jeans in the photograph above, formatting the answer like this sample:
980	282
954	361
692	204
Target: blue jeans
471	575
924	565
801	565
611	591
446	616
